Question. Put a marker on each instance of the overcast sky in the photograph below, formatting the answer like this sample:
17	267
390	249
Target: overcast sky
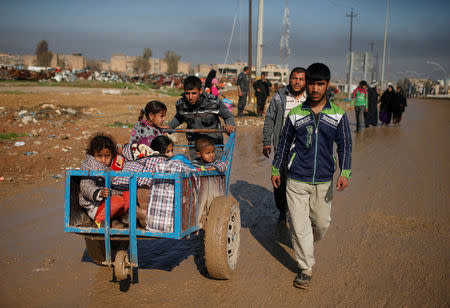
199	31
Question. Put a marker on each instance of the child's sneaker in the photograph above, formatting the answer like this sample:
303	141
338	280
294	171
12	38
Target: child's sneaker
100	224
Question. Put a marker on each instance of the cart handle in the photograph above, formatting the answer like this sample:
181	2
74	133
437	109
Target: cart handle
194	130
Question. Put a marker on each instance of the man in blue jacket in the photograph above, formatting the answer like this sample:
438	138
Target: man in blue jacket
313	127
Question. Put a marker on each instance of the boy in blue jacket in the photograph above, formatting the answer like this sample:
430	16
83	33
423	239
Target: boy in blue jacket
314	126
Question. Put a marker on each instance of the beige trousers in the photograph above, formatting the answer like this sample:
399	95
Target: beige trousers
309	211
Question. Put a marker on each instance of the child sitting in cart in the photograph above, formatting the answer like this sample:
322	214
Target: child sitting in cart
161	150
144	160
205	151
93	192
146	129
163	145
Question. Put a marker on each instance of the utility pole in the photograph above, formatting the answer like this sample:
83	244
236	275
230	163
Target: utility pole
284	41
250	50
366	60
259	40
372	73
384	47
350	67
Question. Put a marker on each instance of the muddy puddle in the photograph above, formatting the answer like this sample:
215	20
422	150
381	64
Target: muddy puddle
388	244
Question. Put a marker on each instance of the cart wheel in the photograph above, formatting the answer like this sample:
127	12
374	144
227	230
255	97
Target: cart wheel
122	266
222	237
96	248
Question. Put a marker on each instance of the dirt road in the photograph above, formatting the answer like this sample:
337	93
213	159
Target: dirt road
388	244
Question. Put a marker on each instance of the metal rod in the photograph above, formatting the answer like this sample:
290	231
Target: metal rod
194	130
132	213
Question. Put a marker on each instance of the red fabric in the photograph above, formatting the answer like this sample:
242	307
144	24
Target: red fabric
117	163
119	205
358	89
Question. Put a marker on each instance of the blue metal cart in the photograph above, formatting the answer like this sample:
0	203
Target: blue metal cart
210	208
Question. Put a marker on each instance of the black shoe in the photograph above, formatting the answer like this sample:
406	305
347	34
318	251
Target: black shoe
302	281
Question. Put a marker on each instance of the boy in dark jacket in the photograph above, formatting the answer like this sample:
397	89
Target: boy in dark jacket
201	110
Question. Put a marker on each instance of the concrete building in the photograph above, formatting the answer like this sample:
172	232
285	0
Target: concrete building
273	72
155	66
122	64
74	61
104	66
29	60
125	64
11	60
183	67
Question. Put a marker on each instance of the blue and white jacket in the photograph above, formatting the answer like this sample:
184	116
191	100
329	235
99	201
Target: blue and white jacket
311	160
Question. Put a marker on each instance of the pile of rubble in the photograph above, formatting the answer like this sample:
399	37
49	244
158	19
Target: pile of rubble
42	112
51	74
22	74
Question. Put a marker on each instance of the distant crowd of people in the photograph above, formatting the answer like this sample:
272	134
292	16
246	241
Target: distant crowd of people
365	102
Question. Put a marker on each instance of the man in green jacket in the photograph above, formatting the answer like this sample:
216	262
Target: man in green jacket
361	103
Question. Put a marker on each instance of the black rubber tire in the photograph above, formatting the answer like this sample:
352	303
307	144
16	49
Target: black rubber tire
121	265
96	249
222	237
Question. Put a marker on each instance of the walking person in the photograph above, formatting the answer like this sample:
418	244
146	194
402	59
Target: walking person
360	103
398	107
314	127
282	102
201	110
208	80
262	91
372	112
386	102
243	86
